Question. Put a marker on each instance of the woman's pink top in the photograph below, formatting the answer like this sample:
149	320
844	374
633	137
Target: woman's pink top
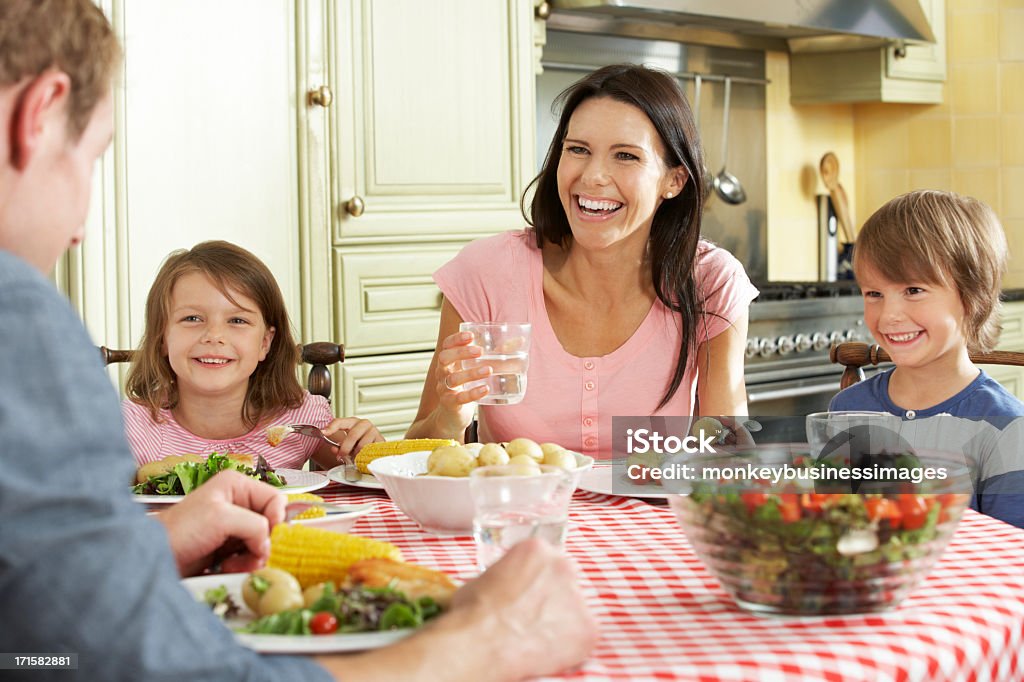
151	440
571	400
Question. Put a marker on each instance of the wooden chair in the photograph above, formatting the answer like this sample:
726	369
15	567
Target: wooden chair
319	354
855	355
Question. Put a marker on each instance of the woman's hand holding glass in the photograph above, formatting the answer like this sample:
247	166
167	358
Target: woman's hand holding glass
456	401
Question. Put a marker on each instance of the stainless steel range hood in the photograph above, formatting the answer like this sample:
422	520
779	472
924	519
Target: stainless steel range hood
796	25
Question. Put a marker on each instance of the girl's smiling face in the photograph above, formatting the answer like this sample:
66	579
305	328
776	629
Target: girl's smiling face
919	324
612	175
213	343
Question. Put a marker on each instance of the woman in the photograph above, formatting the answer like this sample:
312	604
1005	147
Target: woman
632	313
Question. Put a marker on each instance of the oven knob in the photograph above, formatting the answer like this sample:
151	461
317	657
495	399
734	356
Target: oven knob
802	342
785	345
819	341
851	335
834	338
766	347
752	345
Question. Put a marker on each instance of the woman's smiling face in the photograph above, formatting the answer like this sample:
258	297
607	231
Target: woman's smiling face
612	175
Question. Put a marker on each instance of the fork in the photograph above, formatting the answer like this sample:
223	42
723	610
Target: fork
352	474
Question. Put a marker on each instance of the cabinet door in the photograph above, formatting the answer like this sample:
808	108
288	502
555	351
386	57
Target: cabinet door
384	390
434	102
207	137
923	62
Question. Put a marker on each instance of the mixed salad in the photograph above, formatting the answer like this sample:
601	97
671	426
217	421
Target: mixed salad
187	476
328	610
800	549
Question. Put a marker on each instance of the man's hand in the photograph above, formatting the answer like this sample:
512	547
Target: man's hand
227	519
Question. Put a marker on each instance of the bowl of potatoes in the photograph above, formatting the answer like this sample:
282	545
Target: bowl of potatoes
432	487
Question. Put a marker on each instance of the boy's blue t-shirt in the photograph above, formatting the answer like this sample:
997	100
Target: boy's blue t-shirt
1001	496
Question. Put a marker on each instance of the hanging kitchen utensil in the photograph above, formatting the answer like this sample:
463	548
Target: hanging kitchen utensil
728	185
708	179
829	167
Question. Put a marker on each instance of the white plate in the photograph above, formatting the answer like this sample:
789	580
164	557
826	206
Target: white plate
286	644
299	481
337	474
600	479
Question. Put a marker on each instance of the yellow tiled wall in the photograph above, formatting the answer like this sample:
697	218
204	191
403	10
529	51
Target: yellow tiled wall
973	143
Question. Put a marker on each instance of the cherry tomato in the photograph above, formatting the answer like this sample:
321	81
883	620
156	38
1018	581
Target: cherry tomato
323	623
915	511
789	506
753	500
882	508
815	501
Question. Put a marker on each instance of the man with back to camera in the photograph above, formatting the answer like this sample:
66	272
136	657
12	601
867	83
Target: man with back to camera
82	569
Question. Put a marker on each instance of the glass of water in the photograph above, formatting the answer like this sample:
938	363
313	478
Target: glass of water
512	503
506	349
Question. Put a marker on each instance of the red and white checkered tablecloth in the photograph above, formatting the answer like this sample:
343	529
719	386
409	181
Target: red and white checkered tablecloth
664	617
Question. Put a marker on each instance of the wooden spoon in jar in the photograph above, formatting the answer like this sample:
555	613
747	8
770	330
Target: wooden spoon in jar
829	167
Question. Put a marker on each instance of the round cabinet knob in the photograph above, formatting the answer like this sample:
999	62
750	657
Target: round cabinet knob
785	345
355	206
767	347
322	96
802	343
752	346
543	11
819	341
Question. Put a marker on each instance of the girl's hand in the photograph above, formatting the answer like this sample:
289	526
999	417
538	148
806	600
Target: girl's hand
352	433
455	350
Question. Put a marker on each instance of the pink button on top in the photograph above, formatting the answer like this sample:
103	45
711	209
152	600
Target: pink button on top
589	364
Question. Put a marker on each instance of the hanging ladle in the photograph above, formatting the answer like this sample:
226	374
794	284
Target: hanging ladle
728	185
708	179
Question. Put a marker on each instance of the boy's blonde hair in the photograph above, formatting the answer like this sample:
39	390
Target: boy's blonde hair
273	386
941	238
71	36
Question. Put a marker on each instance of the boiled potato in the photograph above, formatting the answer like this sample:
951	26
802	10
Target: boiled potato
441	452
492	454
523	465
311	594
548	448
525	446
561	458
453	461
271	590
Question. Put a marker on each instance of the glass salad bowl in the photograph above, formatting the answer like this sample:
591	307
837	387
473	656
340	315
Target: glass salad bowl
787	534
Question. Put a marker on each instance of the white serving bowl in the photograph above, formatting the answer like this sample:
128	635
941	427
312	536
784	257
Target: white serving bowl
439	504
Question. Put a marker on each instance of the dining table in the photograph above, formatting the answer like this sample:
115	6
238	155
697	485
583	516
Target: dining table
663	616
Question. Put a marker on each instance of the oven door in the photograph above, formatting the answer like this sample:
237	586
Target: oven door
780	406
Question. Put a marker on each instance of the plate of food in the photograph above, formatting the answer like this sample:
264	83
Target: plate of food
167	480
380	601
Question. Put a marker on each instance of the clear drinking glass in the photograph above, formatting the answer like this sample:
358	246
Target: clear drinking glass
863	431
511	504
506	349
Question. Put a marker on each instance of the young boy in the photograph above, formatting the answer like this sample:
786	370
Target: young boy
930	266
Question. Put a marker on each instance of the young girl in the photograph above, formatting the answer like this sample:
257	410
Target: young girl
930	266
217	366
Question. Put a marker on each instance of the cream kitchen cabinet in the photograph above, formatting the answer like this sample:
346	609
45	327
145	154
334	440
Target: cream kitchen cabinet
354	145
876	75
1011	338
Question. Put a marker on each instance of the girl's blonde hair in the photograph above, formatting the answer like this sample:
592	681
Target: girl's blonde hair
273	386
941	238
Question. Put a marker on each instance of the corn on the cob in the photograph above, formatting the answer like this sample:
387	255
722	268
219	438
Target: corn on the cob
314	555
312	512
396	447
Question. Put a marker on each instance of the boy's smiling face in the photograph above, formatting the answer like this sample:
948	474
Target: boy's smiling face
919	324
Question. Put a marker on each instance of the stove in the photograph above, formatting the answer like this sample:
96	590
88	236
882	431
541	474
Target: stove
792	326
